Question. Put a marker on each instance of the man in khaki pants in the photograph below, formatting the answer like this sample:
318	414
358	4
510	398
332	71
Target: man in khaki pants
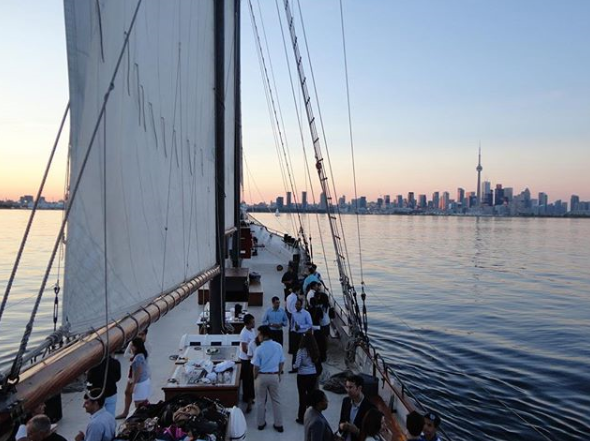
268	364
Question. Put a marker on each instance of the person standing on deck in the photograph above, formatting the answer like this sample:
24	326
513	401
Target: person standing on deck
102	424
354	408
317	427
371	426
431	423
308	356
140	373
129	387
290	280
300	324
275	318
39	429
290	304
414	424
247	335
313	276
21	433
290	309
96	377
268	364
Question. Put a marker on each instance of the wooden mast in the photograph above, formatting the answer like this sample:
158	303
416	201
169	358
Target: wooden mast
235	256
216	286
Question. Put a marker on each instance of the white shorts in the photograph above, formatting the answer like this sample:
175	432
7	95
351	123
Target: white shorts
142	391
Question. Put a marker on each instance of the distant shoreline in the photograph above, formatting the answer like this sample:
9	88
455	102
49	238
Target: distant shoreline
318	211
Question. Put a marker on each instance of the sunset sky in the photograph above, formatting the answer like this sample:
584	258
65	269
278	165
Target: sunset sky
429	81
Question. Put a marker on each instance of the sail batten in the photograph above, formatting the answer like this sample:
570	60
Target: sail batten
158	135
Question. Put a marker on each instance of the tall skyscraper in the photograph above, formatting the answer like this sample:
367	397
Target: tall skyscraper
280	202
499	195
304	200
461	196
363	202
435	200
323	201
574	202
422	201
387	200
543	199
479	168
289	203
444	201
411	200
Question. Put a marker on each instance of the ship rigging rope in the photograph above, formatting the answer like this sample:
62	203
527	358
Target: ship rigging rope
356	205
107	345
348	290
307	170
275	111
285	146
275	126
279	122
33	212
322	128
458	371
257	189
17	364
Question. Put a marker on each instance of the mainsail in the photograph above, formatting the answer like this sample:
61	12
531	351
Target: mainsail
151	171
148	205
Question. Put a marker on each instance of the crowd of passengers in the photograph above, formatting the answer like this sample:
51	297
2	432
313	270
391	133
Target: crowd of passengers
307	318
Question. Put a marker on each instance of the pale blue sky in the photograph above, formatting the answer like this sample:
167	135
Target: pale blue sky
429	80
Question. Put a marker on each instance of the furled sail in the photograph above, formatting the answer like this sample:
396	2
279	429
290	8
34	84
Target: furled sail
151	171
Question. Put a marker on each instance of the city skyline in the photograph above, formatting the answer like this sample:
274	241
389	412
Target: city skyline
422	99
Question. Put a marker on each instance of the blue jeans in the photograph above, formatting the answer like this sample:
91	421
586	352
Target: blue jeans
110	404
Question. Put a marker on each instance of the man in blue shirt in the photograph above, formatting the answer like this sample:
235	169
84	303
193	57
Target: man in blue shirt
268	364
102	424
275	317
313	276
300	323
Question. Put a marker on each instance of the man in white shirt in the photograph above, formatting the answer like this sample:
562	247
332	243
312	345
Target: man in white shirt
300	323
268	366
247	335
290	309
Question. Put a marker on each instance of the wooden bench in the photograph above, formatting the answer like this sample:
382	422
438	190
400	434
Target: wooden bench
255	294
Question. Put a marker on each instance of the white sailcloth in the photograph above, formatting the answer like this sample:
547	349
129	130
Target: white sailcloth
159	142
230	51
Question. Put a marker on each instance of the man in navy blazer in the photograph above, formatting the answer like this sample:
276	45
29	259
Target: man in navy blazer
354	408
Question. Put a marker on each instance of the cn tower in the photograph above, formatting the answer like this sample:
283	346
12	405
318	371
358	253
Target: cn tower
479	168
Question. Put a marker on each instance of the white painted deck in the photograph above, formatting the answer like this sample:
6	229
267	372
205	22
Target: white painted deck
164	338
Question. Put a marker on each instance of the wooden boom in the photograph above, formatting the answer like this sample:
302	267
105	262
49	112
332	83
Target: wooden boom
49	376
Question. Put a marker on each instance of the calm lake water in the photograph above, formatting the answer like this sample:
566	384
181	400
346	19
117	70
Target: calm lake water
486	320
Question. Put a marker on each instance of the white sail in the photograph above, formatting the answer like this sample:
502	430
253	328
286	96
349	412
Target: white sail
159	141
230	51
